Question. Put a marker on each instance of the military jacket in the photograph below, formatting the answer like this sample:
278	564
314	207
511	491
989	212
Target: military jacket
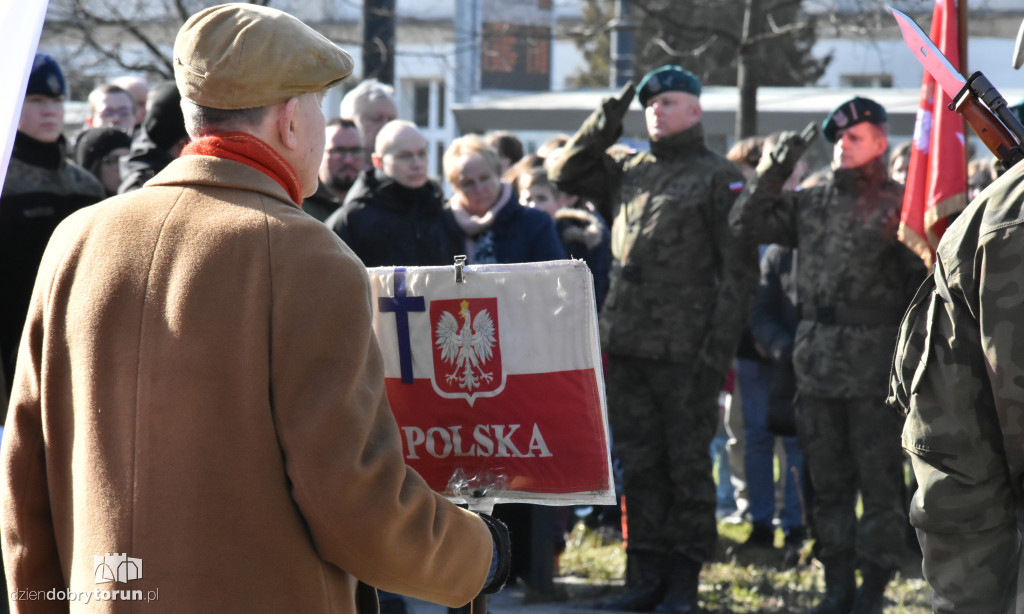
855	277
958	374
681	285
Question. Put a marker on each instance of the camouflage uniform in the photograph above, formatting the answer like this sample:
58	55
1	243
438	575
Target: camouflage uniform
958	373
855	280
681	288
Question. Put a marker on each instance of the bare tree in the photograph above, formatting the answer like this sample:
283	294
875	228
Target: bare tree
133	36
747	43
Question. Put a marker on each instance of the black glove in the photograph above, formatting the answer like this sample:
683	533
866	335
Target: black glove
789	149
503	549
609	120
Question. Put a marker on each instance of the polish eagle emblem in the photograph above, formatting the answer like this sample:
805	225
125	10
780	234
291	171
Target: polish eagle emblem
466	348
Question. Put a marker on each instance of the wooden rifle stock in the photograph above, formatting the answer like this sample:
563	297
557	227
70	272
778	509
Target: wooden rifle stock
989	129
983	107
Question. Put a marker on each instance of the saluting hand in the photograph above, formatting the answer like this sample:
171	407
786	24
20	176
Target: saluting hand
790	147
613	109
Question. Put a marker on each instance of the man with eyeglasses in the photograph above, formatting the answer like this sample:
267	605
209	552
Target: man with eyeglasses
393	214
344	159
111	106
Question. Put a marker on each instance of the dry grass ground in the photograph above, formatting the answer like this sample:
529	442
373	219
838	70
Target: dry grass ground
747	583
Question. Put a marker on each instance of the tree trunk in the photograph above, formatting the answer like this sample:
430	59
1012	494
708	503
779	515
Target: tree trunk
746	80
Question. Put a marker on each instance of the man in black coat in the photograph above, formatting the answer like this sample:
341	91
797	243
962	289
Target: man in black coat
393	215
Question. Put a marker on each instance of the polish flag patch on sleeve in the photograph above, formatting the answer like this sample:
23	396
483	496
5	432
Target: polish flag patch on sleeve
496	381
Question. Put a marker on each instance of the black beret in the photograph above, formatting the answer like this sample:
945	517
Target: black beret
851	113
46	78
164	122
668	78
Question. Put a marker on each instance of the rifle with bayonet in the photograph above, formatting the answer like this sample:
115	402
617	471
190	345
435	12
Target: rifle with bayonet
980	103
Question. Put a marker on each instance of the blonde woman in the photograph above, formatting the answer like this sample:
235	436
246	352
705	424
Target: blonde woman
495	227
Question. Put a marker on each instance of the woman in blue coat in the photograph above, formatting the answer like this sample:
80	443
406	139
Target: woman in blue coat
495	227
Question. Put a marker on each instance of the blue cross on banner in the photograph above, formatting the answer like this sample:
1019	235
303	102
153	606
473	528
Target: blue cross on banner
401	305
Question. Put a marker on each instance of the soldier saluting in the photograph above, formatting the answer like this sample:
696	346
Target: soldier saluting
854	282
681	288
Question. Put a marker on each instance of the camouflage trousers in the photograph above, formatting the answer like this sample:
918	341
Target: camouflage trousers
851	446
663	442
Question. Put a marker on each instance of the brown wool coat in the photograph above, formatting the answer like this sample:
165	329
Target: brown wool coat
199	387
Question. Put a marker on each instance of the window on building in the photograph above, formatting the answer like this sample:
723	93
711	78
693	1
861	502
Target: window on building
866	80
421	104
441	110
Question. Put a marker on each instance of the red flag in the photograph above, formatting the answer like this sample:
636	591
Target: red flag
937	175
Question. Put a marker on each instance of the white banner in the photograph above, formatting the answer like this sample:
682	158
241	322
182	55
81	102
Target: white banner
496	381
20	26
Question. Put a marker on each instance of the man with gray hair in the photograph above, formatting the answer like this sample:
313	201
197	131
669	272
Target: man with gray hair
199	385
371	104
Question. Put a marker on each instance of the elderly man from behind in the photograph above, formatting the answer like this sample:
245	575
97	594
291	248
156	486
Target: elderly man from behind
393	215
681	288
344	159
855	279
211	400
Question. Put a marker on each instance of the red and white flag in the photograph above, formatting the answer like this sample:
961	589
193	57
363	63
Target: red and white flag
496	381
937	175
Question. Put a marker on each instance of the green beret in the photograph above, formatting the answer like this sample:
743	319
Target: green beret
851	113
668	78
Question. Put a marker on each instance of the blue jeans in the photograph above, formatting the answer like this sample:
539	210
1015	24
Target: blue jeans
754	380
726	503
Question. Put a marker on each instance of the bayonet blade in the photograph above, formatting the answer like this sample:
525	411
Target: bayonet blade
1018	49
949	78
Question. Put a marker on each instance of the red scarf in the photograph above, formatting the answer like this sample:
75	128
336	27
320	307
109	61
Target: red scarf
249	150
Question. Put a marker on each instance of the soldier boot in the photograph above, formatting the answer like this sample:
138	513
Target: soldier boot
871	593
683	580
645	587
840	583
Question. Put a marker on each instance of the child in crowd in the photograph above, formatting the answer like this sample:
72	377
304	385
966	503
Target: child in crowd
583	233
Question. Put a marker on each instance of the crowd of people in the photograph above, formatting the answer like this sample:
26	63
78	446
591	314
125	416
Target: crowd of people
743	293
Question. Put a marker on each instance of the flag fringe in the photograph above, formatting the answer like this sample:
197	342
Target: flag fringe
944	208
917	244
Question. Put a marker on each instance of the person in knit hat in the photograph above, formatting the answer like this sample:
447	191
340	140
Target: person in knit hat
99	150
41	188
159	139
199	387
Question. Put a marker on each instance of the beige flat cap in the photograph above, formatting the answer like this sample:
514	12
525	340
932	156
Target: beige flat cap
241	56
